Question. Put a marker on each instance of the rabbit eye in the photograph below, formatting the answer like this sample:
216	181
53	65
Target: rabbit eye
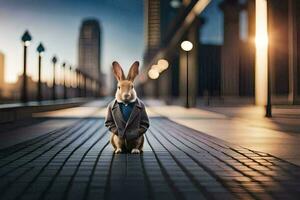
132	87
119	87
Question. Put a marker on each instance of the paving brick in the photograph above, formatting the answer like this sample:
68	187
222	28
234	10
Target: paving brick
178	163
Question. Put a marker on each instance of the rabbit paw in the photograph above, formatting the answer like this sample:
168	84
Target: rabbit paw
117	151
135	151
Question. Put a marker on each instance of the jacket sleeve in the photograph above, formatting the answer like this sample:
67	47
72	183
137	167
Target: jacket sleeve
144	123
109	121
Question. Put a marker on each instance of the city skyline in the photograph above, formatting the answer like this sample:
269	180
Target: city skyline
47	23
89	50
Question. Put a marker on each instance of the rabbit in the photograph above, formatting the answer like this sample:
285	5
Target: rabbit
126	117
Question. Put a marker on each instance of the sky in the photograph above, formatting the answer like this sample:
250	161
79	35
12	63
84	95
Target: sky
56	24
212	32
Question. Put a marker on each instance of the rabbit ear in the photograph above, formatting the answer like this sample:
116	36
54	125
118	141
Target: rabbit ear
134	71
118	72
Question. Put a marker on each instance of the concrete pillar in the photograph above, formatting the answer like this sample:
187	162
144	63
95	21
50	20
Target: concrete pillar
251	32
278	49
192	36
230	49
293	53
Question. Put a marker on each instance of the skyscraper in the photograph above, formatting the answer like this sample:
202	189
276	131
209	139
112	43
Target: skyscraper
89	50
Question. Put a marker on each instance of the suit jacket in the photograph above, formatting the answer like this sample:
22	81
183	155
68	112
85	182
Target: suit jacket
137	124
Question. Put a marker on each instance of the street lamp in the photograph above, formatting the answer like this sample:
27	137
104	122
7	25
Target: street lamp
84	84
26	38
54	61
269	90
64	71
78	81
70	80
81	83
71	76
40	49
187	46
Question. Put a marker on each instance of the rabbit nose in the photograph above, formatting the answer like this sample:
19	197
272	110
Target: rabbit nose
126	96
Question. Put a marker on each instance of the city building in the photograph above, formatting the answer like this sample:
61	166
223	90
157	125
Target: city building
89	50
171	30
229	72
158	22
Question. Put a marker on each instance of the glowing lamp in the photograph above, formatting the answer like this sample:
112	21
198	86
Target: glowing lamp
26	43
186	45
40	49
26	38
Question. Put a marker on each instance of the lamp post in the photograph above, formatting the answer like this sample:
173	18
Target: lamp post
187	46
269	102
97	88
269	92
84	85
70	80
40	49
54	61
81	84
78	81
65	88
26	38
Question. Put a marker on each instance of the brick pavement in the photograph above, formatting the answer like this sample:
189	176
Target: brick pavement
77	162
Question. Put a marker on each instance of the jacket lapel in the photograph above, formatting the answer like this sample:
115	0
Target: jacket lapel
135	111
118	117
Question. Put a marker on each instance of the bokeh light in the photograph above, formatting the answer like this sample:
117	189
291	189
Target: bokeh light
153	74
163	64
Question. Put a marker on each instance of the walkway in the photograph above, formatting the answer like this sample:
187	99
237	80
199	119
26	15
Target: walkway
74	160
77	162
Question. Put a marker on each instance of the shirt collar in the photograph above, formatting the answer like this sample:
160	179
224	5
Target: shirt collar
137	103
126	104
